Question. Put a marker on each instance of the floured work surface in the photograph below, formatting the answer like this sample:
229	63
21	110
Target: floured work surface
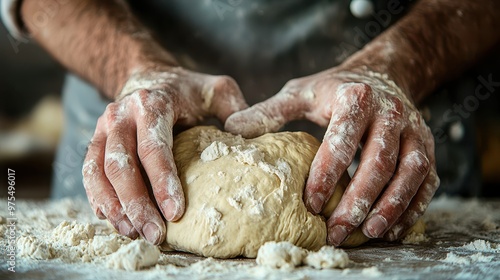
462	242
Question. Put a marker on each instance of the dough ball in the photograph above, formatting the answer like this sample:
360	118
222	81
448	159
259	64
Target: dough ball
241	193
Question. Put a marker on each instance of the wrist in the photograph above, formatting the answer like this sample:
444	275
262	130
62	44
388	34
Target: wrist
145	56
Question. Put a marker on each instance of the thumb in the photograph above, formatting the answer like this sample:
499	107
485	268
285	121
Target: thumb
267	116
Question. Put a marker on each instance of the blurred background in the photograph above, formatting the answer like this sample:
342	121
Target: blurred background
31	116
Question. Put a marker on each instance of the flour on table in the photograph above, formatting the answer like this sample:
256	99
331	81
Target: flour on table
327	257
371	272
134	256
282	255
285	255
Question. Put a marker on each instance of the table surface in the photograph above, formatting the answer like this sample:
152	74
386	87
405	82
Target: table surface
463	243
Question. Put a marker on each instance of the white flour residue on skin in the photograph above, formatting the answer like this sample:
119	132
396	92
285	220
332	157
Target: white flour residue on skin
89	168
214	221
139	80
120	157
161	133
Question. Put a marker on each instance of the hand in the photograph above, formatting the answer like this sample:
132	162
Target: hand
135	132
396	177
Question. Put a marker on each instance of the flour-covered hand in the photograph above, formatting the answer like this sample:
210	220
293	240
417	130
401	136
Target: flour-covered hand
135	134
396	177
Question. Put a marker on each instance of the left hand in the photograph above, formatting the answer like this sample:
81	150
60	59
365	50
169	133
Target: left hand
396	178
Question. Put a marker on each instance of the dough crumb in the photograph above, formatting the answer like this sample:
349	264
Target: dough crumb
286	256
72	233
29	246
283	255
414	238
134	256
327	257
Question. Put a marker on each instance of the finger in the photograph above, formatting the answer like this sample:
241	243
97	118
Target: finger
416	208
101	194
223	97
155	153
123	171
269	116
377	165
339	146
412	169
423	197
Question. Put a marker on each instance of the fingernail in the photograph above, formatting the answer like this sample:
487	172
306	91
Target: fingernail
151	233
170	209
124	227
336	235
316	202
375	226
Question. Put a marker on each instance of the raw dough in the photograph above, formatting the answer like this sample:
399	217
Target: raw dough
241	193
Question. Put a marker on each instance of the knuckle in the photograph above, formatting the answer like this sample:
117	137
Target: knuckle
384	164
417	161
113	169
147	149
225	84
292	85
360	94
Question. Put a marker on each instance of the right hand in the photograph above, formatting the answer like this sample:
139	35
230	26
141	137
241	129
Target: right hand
135	132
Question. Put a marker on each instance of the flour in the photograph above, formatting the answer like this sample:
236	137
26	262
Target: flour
214	220
482	246
40	255
134	256
285	255
327	257
214	151
457	259
371	272
282	255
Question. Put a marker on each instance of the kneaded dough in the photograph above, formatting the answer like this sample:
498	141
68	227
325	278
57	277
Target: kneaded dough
241	193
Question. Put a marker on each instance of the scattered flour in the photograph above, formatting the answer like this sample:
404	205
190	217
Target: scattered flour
371	272
455	258
327	257
482	246
134	256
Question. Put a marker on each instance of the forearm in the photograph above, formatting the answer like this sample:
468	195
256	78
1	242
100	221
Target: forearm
435	41
99	40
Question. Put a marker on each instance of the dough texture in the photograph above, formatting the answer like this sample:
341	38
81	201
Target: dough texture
241	193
